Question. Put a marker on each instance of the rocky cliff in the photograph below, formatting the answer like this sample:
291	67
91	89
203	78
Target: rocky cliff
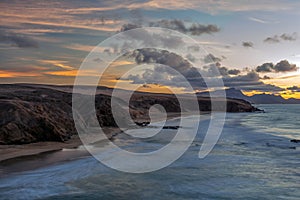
34	113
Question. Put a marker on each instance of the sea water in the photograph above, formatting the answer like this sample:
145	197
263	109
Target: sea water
253	159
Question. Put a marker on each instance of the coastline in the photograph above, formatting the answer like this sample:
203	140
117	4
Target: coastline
244	154
13	155
9	152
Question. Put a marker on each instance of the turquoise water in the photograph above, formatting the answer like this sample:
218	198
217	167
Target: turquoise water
254	159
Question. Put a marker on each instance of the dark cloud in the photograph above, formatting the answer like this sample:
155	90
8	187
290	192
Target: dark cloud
169	69
199	29
170	24
282	66
249	77
266	77
294	88
284	37
127	27
17	40
285	66
145	38
161	74
146	86
178	25
274	39
289	37
163	57
167	40
266	67
210	58
234	71
248	44
224	71
249	82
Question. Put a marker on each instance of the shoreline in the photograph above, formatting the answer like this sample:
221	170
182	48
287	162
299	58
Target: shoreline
13	155
9	152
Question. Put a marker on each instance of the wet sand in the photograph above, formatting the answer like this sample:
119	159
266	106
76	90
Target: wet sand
17	158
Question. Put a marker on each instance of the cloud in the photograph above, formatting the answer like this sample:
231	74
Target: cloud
163	57
285	66
224	71
282	66
17	40
266	77
274	39
167	69
258	20
234	71
249	77
249	82
289	37
147	38
214	7
198	29
127	27
283	37
160	74
294	88
170	24
179	25
210	58
262	21
247	44
266	67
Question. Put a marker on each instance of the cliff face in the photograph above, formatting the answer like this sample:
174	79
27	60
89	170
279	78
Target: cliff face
38	114
31	114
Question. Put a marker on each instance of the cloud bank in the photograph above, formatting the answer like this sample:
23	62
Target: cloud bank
17	40
282	66
178	25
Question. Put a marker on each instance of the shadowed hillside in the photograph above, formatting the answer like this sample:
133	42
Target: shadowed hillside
32	113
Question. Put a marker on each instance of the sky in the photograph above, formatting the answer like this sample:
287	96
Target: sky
255	44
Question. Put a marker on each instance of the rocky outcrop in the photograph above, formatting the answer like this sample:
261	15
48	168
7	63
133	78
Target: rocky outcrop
37	114
34	113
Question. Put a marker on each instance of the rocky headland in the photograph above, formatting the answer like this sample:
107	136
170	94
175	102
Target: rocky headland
37	113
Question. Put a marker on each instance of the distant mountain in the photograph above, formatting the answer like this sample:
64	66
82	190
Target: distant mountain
257	98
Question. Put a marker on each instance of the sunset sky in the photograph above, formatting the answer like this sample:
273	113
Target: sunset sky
256	42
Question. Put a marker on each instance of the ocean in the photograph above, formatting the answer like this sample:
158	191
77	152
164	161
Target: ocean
253	159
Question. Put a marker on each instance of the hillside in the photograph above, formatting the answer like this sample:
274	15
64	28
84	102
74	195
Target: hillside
32	113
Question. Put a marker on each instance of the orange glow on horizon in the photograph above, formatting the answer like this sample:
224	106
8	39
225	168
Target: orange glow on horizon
8	74
295	95
284	94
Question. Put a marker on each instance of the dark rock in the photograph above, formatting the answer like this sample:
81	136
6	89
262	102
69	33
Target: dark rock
33	113
142	123
295	141
172	127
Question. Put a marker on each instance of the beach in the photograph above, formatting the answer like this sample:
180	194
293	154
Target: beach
13	155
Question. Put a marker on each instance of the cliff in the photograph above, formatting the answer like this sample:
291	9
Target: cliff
32	113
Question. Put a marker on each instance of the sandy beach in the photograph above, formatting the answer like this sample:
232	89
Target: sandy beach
16	158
